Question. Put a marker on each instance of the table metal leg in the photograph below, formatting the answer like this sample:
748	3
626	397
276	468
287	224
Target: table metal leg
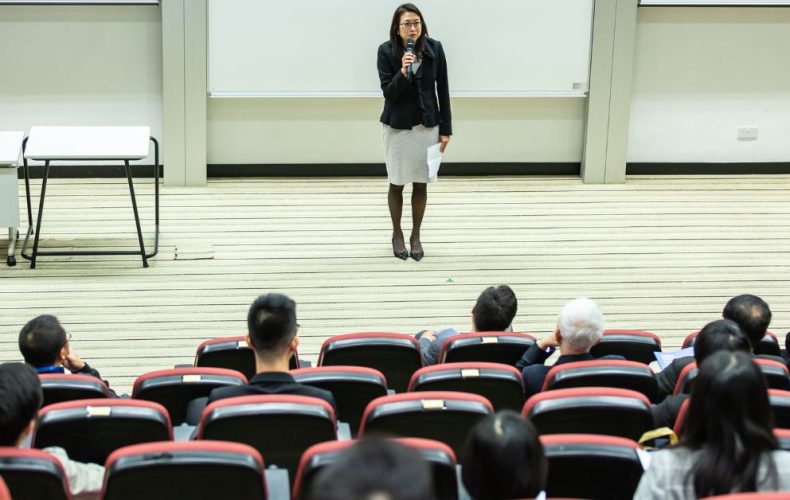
12	235
40	214
136	214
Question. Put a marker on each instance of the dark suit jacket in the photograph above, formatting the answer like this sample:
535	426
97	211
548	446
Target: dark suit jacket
422	98
666	412
668	377
534	371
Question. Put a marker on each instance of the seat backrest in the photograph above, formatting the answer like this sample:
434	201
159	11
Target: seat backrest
769	344
444	416
783	436
59	387
192	469
33	474
780	404
686	378
590	410
396	355
90	429
440	457
776	374
352	386
601	466
604	373
758	495
633	345
175	388
681	418
280	427
493	347
232	353
501	384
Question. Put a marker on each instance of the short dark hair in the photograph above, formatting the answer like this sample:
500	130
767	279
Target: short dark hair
720	335
41	340
375	468
271	323
751	313
504	458
495	309
20	399
395	40
729	421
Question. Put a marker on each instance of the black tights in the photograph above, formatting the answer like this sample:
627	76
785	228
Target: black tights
419	198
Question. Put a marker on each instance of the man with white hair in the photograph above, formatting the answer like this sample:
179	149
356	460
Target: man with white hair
579	327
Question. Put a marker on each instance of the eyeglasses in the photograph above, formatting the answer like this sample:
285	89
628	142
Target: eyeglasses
411	24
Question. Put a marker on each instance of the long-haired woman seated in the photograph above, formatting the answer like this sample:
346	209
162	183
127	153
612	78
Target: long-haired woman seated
727	443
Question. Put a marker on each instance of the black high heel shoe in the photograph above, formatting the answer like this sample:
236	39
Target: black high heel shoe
418	255
402	255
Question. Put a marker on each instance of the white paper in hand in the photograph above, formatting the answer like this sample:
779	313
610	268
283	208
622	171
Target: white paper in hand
434	162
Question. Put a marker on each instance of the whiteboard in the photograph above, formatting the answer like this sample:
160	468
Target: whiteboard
323	48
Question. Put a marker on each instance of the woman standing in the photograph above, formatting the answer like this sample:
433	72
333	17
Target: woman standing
413	74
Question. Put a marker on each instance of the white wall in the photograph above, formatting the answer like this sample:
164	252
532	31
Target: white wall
337	130
80	65
699	74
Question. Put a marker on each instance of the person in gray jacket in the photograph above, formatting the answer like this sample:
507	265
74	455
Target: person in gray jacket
726	443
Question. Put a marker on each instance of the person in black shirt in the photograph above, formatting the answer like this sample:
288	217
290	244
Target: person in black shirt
271	332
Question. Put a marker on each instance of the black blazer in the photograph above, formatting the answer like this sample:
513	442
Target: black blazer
423	98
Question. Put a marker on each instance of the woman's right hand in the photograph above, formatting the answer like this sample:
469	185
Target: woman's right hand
407	59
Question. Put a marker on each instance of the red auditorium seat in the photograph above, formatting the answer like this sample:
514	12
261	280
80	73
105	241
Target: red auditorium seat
501	384
176	387
444	416
33	474
60	387
90	429
681	419
768	344
761	495
396	355
783	436
604	373
776	374
590	410
600	466
352	386
437	454
194	469
4	493
280	427
685	379
633	345
780	404
492	347
232	353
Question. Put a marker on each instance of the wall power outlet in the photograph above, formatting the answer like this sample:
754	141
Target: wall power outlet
749	133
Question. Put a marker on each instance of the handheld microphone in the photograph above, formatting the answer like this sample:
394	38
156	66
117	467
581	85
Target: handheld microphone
410	50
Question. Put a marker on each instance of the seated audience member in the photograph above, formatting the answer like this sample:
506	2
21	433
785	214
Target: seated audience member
504	459
749	312
271	327
46	346
20	400
579	327
493	312
719	335
375	469
727	444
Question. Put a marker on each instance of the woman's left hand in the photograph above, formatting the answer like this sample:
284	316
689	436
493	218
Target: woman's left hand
444	140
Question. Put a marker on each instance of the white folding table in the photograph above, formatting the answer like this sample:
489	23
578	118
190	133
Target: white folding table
10	146
49	144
